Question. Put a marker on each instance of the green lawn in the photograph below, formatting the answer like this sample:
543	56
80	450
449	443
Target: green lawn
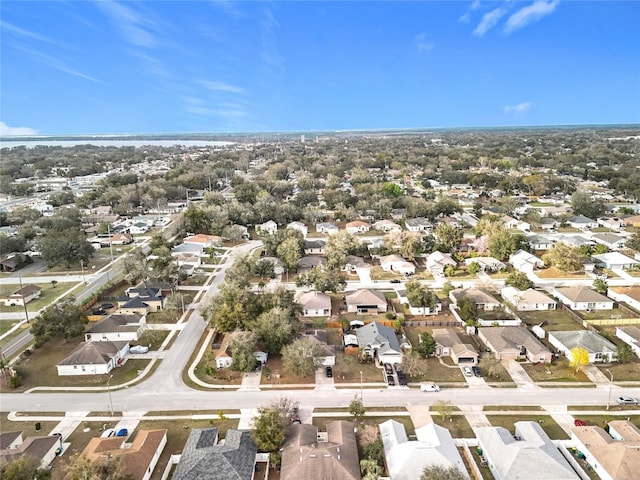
48	294
547	423
553	320
457	425
6	325
623	372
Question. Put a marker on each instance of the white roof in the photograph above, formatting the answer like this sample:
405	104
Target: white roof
615	258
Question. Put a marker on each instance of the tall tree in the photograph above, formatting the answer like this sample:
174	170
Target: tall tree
583	204
323	279
564	258
501	244
427	345
63	319
338	247
275	328
65	247
579	358
289	252
300	357
270	425
519	280
79	467
449	237
24	468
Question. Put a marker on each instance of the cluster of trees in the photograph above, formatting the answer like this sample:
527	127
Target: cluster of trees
63	319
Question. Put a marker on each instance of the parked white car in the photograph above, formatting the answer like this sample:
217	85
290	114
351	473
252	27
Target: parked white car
138	349
429	387
110	432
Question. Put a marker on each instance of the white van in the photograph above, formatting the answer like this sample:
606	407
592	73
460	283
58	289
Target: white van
429	387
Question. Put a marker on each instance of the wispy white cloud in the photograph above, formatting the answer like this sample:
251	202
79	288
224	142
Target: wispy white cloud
22	33
489	21
517	109
422	42
466	18
54	62
219	86
135	28
7	130
530	14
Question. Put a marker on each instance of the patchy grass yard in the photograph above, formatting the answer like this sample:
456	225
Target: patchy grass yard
437	372
321	422
334	336
554	320
347	370
623	372
612	314
39	369
553	272
558	371
274	373
457	425
49	294
547	423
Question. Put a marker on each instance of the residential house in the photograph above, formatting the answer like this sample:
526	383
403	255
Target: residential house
406	459
612	223
633	221
356	264
482	299
418	224
610	240
267	228
437	262
206	241
328	228
141	301
631	336
398	213
326	353
379	342
509	222
512	343
525	262
138	458
312	455
628	295
203	458
581	297
365	301
420	310
448	344
299	226
529	300
612	453
117	328
93	358
600	349
314	303
528	455
357	226
311	261
468	218
397	264
223	355
487	264
582	223
22	296
576	241
278	266
615	261
386	226
41	448
540	243
314	246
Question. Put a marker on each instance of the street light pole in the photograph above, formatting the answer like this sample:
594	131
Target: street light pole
109	393
24	303
610	385
361	386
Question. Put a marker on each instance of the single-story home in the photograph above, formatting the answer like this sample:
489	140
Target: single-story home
357	226
419	310
540	243
615	261
582	223
314	303
22	296
406	459
600	349
438	261
448	344
311	261
206	241
479	296
138	458
386	226
581	297
366	301
267	228
117	327
525	262
512	343
418	224
41	448
312	455
328	228
326	353
396	263
612	223
628	295
528	300
631	336
613	452
487	264
529	454
314	246
355	264
379	342
93	358
611	240
299	226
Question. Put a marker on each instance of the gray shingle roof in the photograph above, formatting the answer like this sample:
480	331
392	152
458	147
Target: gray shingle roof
590	341
92	353
375	333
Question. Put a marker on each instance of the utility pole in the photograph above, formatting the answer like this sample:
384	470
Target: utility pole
82	269
24	304
610	385
109	393
361	388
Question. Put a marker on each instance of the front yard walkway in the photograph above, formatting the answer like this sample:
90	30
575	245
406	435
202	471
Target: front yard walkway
518	374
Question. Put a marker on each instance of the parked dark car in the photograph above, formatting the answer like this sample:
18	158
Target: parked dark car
395	280
123	432
388	369
329	372
402	379
390	381
476	371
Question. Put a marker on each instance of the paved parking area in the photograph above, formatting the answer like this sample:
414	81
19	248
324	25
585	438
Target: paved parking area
322	381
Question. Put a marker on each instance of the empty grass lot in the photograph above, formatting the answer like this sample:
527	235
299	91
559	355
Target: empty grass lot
553	272
347	370
553	320
457	425
623	372
275	374
558	371
547	423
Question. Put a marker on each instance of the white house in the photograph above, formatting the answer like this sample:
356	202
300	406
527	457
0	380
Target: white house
482	299
528	300
582	223
415	310
386	226
314	246
580	297
357	226
419	224
42	449
93	358
628	295
631	336
525	262
21	296
366	301
610	240
438	261
487	264
117	328
328	228
314	303
269	227
615	261
600	349
299	226
396	263
612	223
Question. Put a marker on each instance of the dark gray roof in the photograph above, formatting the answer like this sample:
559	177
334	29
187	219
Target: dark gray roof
116	323
92	353
202	459
375	333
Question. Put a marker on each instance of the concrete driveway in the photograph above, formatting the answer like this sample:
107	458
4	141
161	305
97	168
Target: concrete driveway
322	381
518	374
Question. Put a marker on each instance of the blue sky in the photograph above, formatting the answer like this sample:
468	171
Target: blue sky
73	67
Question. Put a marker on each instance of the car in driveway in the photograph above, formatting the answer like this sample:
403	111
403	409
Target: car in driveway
123	432
390	381
627	401
388	369
109	432
429	387
476	371
328	372
467	372
138	349
402	379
